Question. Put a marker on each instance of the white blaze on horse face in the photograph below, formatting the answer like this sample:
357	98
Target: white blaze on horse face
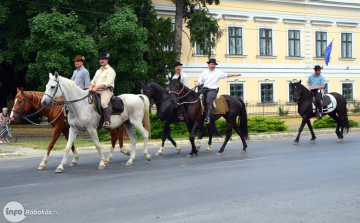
12	113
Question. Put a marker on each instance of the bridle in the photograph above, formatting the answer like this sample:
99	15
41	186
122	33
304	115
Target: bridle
54	103
22	111
179	97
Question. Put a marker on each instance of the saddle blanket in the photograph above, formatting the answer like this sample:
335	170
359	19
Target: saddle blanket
220	104
329	104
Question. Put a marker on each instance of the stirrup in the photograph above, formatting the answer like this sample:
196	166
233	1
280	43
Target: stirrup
207	120
106	125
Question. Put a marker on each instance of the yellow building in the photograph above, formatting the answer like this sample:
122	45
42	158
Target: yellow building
273	42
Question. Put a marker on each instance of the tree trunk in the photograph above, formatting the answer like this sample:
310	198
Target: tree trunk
178	27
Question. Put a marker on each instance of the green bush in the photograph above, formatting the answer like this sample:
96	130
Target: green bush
328	122
265	124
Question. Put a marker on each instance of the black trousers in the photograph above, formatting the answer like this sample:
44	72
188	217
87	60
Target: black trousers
318	97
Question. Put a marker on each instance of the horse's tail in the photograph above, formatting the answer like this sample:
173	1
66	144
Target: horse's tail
243	120
146	118
346	122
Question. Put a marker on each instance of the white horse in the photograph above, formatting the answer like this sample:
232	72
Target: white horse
82	116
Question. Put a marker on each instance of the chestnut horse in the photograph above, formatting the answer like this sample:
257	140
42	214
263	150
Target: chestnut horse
26	100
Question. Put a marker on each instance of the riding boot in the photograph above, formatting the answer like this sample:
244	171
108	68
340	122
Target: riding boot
107	115
318	103
207	118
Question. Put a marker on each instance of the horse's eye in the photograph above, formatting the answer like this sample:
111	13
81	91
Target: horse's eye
52	87
19	102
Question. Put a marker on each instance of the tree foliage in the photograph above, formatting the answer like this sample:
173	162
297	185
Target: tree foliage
39	37
204	29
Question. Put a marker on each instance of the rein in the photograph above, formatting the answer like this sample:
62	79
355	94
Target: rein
181	97
62	110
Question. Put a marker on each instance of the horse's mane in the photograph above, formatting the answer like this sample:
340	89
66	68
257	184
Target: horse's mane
70	82
158	87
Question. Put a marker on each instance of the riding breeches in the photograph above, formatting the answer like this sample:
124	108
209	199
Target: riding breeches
318	97
105	96
210	95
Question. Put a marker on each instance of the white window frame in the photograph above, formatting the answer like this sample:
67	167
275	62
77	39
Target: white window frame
228	42
238	82
274	92
327	39
272	40
352	45
171	48
199	54
287	42
353	87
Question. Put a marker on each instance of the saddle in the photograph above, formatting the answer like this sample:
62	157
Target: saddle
220	105
328	103
116	106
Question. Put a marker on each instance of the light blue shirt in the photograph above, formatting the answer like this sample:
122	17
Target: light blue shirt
81	77
316	81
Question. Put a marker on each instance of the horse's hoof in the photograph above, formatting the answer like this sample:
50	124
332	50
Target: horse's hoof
243	151
295	142
59	170
158	154
128	163
148	157
198	147
197	154
207	150
101	167
339	139
218	154
41	168
189	156
312	140
73	164
178	150
106	162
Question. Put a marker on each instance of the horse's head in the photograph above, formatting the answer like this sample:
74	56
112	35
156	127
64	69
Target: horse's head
176	89
22	104
146	90
52	90
296	90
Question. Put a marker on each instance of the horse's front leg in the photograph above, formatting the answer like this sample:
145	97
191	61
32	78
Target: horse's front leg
192	140
201	135
72	136
132	137
303	122
114	137
313	137
54	137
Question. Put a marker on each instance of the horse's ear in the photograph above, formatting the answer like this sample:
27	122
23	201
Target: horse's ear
300	82
50	75
22	90
56	75
169	78
291	83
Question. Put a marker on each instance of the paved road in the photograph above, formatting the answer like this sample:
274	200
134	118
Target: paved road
274	182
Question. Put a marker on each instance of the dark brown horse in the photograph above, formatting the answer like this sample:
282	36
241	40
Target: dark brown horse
192	112
25	100
304	99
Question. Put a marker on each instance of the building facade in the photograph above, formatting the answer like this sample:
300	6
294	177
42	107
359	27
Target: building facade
275	42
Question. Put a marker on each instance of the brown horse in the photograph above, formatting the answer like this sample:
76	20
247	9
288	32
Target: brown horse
25	100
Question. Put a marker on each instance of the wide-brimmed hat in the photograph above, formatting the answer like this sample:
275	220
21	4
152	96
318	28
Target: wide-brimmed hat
212	60
317	67
104	55
177	64
79	58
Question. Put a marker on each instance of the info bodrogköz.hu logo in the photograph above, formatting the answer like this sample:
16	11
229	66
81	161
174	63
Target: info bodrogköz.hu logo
15	212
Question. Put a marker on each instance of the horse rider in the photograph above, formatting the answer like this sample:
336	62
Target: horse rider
103	83
81	75
178	71
210	78
316	83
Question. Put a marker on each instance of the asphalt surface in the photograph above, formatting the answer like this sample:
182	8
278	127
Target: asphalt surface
274	182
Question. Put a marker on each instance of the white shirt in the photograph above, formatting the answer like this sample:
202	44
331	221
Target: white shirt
210	79
184	79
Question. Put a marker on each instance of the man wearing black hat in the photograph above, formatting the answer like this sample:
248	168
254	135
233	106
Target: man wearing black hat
210	78
316	83
103	83
81	75
184	77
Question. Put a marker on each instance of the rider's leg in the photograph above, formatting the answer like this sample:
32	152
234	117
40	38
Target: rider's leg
210	97
318	103
105	96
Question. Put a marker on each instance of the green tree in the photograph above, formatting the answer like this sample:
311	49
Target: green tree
204	29
55	38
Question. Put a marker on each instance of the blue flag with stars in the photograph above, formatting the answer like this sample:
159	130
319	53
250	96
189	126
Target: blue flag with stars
327	53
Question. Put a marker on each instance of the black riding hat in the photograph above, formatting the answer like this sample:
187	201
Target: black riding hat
104	55
178	63
212	60
317	67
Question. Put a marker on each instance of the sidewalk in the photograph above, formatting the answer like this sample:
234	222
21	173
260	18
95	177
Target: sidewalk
16	151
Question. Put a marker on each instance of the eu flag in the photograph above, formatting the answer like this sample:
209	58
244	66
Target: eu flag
327	53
